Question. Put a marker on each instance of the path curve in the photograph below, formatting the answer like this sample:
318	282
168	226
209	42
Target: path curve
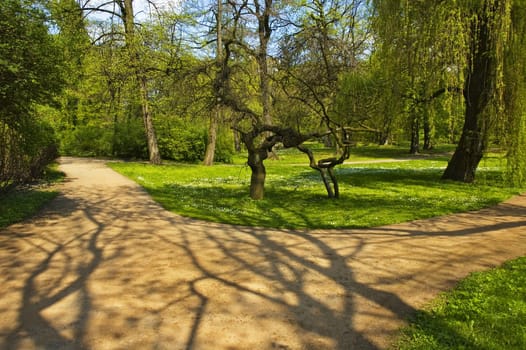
105	267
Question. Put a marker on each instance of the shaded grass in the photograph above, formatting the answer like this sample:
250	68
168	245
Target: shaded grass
486	311
23	201
371	194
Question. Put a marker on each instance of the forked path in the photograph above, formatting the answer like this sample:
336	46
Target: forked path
105	267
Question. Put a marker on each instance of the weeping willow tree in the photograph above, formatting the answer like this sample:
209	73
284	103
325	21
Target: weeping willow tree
488	24
473	48
420	60
515	94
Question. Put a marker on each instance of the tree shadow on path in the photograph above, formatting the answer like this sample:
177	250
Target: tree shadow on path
62	266
110	268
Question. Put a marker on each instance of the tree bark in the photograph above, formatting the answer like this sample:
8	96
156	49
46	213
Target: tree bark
237	141
212	138
334	182
427	135
479	88
135	59
264	33
463	164
151	137
326	183
215	116
415	132
256	155
259	173
326	167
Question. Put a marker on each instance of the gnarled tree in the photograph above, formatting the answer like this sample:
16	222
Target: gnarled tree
259	129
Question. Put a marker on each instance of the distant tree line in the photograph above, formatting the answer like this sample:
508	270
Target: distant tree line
200	80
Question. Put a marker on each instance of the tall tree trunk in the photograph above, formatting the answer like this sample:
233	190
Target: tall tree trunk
264	33
385	133
415	132
215	115
427	132
211	138
479	88
135	59
151	137
427	139
256	155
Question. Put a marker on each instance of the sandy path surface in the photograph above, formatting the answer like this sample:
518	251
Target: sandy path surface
105	267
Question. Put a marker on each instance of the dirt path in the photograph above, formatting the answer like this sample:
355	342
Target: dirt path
104	267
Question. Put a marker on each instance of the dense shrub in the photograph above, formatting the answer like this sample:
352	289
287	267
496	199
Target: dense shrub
124	140
25	152
177	140
224	147
44	149
87	141
181	142
129	140
30	75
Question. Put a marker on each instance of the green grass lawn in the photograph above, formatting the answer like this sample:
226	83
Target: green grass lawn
22	202
371	194
361	153
487	311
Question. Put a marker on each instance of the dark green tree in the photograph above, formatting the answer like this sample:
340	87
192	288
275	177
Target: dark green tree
31	74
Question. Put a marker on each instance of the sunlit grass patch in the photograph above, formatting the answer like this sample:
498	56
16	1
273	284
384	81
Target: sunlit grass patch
371	194
487	310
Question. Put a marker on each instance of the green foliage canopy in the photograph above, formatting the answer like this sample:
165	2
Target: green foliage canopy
30	74
30	60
